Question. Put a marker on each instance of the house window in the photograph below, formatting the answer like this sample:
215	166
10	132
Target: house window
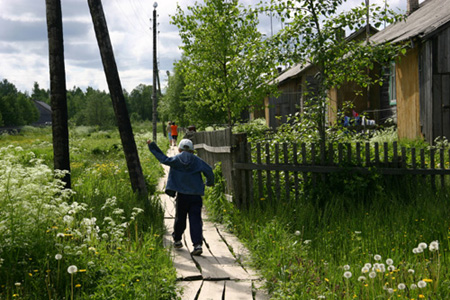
392	85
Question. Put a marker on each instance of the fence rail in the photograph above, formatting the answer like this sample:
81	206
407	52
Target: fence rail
279	169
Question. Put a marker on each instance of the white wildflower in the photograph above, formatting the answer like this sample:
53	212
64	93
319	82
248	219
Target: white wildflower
401	286
58	256
348	274
423	246
389	261
421	284
347	267
72	269
377	257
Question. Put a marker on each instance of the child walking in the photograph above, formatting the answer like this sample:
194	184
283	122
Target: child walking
186	183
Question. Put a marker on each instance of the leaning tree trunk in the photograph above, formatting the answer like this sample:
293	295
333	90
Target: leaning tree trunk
117	97
58	96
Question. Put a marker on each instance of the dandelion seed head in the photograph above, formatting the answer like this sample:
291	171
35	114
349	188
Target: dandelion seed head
434	246
368	265
348	274
423	246
421	284
372	275
72	269
297	233
401	286
362	278
389	261
413	286
347	267
365	269
390	290
391	268
377	257
58	256
411	271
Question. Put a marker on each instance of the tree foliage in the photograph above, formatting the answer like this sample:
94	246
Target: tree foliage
227	64
314	37
174	103
16	108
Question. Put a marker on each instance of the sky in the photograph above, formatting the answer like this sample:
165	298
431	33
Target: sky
24	44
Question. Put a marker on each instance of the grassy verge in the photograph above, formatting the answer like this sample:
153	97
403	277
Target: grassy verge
94	241
343	247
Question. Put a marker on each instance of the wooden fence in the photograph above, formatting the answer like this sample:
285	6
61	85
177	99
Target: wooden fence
279	169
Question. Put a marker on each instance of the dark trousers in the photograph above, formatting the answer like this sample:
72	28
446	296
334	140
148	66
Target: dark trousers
188	205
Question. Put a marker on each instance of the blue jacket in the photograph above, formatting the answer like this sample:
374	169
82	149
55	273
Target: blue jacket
185	174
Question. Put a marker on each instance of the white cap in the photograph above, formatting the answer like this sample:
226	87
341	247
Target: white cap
186	145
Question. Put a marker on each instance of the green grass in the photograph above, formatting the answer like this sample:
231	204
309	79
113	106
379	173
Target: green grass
110	234
303	248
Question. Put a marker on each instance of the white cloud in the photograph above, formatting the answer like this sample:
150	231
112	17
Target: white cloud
24	49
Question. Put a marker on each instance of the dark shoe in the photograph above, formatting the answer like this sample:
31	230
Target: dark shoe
177	244
197	250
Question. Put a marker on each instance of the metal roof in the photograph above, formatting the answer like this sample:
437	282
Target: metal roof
430	15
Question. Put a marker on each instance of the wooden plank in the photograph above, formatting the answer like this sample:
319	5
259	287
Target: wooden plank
269	175
238	290
277	173
296	174
212	290
287	185
168	204
446	106
259	161
189	289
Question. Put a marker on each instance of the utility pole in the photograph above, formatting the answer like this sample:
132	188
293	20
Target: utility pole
155	72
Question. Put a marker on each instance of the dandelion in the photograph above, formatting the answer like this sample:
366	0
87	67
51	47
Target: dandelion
17	284
413	286
297	233
347	267
60	235
401	286
434	246
306	242
411	271
391	268
348	274
372	275
421	284
390	290
377	257
78	285
58	256
365	269
389	261
72	269
362	278
368	265
104	236
423	246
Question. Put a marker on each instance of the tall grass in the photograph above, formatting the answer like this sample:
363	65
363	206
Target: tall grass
98	240
361	243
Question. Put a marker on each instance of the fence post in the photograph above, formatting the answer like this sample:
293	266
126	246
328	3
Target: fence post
238	156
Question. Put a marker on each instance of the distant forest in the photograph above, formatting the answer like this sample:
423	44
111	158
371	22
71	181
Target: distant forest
90	107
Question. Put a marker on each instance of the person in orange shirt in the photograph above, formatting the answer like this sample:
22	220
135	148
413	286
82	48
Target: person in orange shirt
174	133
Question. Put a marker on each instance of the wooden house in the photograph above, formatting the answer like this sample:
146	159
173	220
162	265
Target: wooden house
292	84
420	79
45	113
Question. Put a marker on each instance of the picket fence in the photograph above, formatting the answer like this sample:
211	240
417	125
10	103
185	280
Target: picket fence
277	170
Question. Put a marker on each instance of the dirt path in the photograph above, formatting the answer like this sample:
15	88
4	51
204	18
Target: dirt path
221	271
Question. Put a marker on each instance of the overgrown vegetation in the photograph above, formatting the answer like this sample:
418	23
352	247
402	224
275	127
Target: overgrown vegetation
364	238
97	241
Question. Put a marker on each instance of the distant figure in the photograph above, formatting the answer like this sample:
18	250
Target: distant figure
186	183
174	133
169	132
190	134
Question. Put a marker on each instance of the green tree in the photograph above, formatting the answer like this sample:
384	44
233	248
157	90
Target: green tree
140	102
314	36
98	110
227	63
40	94
173	104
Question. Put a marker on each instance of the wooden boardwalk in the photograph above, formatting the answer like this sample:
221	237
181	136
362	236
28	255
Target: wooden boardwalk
221	271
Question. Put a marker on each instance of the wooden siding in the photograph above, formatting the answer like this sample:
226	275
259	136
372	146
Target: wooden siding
426	87
407	81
